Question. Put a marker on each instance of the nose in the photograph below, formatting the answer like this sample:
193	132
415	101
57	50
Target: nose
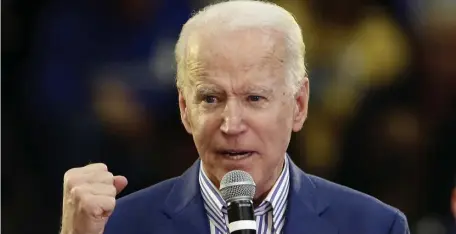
233	122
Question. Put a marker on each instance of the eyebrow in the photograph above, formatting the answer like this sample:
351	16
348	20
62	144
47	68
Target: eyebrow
207	89
260	90
210	89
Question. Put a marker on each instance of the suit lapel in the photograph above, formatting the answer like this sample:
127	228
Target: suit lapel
185	204
305	206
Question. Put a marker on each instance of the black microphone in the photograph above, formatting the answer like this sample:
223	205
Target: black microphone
238	188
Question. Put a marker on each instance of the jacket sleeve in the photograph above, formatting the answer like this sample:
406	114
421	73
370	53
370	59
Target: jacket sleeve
399	225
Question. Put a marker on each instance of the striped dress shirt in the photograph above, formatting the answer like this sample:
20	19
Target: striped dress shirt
269	215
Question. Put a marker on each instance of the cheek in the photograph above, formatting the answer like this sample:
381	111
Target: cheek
204	127
283	129
284	119
274	128
196	119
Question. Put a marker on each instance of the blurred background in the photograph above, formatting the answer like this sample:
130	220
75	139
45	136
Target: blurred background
93	81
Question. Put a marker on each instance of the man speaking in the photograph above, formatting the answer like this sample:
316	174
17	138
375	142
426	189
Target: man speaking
243	90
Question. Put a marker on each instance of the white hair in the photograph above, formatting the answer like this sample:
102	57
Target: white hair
244	14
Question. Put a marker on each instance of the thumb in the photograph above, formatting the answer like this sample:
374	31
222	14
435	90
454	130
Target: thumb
120	182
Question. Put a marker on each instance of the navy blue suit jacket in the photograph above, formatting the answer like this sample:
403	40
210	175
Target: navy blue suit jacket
315	206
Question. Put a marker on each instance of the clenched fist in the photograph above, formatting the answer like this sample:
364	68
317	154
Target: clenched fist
89	197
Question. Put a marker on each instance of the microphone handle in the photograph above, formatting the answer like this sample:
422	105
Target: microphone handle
241	217
245	231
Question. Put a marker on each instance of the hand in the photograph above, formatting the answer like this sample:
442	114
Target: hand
89	198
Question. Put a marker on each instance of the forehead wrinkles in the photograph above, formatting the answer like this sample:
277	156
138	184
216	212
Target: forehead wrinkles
244	49
237	51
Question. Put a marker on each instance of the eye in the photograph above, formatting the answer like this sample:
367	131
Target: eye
210	99
255	98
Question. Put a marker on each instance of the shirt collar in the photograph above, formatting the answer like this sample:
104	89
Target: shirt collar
275	200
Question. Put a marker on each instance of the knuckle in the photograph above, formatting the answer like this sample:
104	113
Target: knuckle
100	166
86	208
70	171
76	192
113	191
85	203
71	178
109	174
105	177
67	176
70	183
107	190
97	211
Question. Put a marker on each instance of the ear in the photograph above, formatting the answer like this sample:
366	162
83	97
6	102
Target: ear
184	112
302	102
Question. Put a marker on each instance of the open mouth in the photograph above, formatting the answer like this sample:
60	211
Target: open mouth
236	154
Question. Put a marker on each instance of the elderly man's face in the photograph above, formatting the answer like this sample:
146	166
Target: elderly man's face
238	106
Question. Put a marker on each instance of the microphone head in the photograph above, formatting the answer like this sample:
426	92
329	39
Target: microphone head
237	185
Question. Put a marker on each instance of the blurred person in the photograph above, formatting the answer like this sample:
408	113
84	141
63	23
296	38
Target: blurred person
88	58
400	147
243	90
352	46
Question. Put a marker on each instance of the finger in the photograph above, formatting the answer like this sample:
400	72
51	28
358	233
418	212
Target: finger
98	205
79	192
95	167
99	177
120	182
98	189
94	177
104	189
106	204
74	173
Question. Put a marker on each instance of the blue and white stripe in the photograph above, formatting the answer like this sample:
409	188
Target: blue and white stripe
270	214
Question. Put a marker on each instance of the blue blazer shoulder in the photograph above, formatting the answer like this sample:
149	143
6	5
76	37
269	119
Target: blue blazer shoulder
315	205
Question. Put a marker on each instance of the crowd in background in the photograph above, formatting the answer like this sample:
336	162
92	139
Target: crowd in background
93	81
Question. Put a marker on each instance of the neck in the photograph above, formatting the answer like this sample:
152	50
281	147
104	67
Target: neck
263	191
263	187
